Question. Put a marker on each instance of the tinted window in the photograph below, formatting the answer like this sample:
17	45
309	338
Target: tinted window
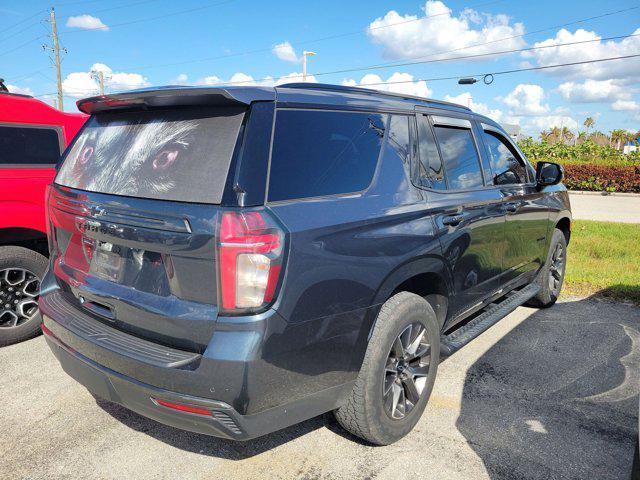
179	155
461	162
506	167
431	173
319	153
398	137
28	146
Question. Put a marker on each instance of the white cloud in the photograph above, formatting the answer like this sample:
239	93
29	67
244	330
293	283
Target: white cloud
466	100
20	90
416	36
86	22
621	69
284	51
526	99
181	79
626	105
240	78
594	91
83	84
407	87
546	122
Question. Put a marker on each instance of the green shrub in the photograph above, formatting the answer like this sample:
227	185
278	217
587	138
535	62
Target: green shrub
587	152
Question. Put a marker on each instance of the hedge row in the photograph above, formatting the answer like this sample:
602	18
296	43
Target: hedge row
599	178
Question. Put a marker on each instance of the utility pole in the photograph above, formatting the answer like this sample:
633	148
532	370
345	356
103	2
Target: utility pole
305	54
56	52
99	74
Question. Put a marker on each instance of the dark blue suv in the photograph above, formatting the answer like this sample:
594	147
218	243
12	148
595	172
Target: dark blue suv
234	260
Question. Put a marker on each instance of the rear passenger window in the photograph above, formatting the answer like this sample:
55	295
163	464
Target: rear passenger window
507	169
431	173
318	153
28	145
460	157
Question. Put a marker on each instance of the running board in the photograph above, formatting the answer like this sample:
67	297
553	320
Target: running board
450	344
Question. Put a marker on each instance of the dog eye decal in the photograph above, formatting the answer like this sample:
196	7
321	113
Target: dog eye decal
165	159
86	154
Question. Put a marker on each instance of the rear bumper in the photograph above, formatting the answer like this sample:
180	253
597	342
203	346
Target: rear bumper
136	374
224	421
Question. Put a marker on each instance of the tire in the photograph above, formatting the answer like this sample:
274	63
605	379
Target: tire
548	295
16	294
365	413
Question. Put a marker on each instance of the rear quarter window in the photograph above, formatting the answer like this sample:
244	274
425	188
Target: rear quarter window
181	155
319	153
26	145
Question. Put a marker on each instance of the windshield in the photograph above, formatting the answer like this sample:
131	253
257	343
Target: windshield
181	155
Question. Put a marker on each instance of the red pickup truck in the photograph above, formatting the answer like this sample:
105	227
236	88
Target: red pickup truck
32	137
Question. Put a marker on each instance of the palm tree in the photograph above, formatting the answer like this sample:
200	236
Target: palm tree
566	134
618	136
589	123
545	136
582	137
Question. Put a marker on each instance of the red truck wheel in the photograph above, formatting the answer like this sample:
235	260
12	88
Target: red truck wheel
21	271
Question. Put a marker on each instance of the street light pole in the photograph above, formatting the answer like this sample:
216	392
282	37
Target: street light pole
304	64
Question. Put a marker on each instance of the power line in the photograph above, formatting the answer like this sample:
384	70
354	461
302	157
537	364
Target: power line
40	12
305	42
513	37
333	72
507	72
6	52
261	50
455	77
478	55
15	34
148	19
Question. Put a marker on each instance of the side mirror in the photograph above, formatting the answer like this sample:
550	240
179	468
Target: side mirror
548	173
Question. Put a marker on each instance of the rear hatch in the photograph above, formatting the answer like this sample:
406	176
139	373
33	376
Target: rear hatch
133	212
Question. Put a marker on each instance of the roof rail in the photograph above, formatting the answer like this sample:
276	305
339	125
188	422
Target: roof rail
367	91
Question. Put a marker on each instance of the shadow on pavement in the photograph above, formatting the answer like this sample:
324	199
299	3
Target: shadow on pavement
205	444
557	397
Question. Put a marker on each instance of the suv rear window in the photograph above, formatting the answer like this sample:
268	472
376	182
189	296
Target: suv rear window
29	145
181	155
318	153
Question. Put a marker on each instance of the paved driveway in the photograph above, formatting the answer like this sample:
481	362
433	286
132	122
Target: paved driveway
608	208
542	395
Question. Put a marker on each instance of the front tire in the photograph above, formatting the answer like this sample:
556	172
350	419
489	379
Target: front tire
397	374
21	271
551	275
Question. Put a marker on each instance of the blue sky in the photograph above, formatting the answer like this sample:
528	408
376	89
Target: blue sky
159	42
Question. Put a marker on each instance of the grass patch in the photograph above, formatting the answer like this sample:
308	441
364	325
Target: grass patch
604	259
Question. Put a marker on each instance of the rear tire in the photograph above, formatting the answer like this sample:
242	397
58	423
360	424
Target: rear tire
374	410
18	297
551	275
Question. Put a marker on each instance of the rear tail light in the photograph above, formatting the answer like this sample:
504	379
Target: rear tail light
250	259
47	216
182	407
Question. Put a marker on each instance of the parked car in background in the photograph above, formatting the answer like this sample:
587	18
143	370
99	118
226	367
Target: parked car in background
235	260
32	138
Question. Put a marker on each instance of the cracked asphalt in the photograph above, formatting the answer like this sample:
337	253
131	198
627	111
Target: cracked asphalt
544	394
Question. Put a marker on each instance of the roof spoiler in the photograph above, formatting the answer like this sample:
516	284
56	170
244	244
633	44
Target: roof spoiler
150	98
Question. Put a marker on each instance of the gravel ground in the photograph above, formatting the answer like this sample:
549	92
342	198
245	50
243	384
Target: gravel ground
542	395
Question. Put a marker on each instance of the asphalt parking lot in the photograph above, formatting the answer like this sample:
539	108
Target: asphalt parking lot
542	395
